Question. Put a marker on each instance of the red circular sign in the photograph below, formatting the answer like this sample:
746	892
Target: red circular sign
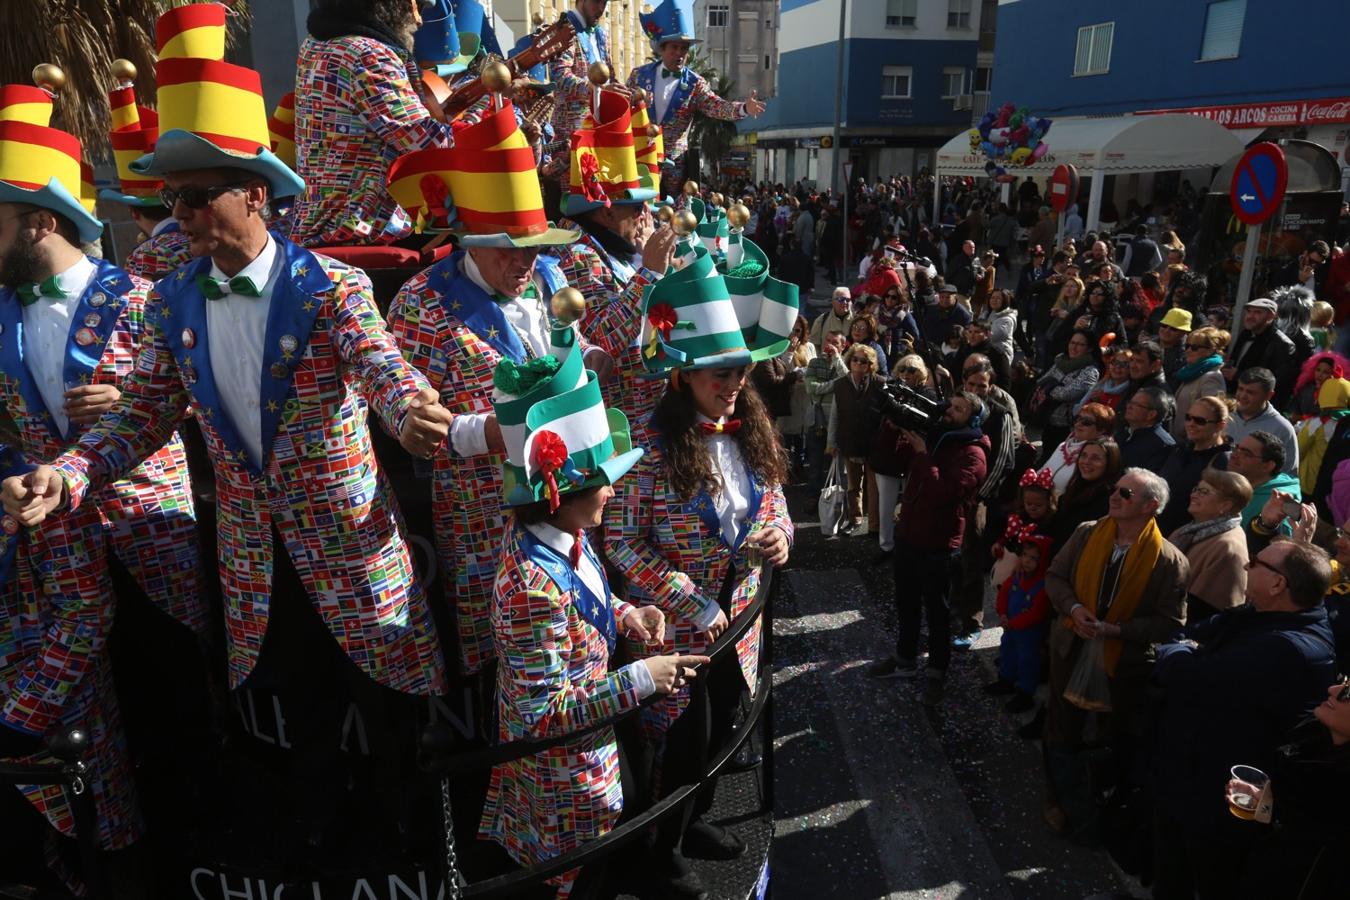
1063	187
1259	182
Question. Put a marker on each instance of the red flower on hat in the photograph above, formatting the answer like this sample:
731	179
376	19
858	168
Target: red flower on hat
590	179
653	29
549	455
662	318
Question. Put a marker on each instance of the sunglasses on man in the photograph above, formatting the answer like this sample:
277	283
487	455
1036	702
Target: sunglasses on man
195	197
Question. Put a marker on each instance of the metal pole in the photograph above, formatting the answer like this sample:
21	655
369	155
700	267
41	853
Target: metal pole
1248	271
838	100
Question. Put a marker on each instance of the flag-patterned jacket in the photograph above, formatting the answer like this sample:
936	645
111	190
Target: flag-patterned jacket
674	557
148	514
692	95
158	255
327	355
356	111
572	88
553	679
613	322
54	620
452	332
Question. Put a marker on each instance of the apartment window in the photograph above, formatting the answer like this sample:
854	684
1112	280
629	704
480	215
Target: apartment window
1223	29
902	12
895	82
984	76
766	64
718	15
953	81
958	13
1094	49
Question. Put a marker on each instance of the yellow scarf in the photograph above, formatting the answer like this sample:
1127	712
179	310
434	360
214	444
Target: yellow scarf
1138	566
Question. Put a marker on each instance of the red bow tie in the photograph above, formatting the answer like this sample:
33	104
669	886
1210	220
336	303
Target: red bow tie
730	426
576	547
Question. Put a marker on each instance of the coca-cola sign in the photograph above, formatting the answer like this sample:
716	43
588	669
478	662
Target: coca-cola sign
1279	114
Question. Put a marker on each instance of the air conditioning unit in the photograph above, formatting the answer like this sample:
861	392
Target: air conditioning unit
963	102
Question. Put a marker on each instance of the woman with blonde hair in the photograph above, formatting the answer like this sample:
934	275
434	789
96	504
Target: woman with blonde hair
792	426
1206	444
885	461
1201	376
1068	299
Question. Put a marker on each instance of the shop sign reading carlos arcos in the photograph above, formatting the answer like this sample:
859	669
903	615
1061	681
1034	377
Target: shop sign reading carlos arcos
1284	113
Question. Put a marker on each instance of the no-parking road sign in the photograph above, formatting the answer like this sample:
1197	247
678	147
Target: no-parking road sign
1259	182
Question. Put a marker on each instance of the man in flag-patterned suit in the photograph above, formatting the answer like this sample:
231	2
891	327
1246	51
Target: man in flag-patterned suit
568	71
677	93
282	353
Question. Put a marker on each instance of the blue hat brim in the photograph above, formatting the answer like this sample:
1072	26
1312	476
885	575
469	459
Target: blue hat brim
55	197
182	151
727	360
575	204
453	68
127	199
553	237
618	466
658	41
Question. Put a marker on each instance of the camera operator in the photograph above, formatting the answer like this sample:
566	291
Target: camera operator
945	460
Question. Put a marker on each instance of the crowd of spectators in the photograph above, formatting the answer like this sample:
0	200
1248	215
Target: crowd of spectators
1156	508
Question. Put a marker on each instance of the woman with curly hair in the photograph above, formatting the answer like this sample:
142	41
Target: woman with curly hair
691	530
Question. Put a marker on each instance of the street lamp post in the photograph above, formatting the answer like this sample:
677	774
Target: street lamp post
838	100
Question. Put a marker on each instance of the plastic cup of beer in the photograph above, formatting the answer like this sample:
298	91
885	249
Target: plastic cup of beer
1245	796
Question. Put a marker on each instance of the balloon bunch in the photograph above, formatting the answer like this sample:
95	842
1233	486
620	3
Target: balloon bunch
1009	135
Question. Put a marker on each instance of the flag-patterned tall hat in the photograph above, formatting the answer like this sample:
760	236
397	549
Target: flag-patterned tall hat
673	20
40	165
689	321
485	186
211	113
134	129
558	435
281	129
604	167
438	45
766	308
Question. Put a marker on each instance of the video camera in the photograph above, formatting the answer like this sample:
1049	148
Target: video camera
910	410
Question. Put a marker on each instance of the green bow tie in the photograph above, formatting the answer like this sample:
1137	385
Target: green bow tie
214	289
528	292
50	287
666	73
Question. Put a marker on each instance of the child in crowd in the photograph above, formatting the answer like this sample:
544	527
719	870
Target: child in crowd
1324	334
1023	611
1035	509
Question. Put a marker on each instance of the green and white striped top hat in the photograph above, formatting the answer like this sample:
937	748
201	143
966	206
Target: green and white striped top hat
766	308
559	437
712	225
688	321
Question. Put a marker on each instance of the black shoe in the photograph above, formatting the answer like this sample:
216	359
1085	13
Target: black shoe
1033	729
1000	688
1019	704
704	840
883	557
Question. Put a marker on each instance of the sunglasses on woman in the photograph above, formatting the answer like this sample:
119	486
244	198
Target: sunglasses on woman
1086	420
1197	346
908	370
1199	420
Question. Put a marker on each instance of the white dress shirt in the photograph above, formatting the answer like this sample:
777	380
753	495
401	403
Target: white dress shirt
46	333
732	502
589	573
236	327
663	90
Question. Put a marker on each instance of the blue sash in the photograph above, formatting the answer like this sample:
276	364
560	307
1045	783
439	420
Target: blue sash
701	505
596	610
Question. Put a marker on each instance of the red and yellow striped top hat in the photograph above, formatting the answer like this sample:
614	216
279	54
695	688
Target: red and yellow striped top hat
40	165
134	129
211	113
604	167
281	128
485	186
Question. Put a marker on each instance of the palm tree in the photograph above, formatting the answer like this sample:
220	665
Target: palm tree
714	136
83	37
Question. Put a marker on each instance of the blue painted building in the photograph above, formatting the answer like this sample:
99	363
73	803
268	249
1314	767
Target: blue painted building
913	72
1263	69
